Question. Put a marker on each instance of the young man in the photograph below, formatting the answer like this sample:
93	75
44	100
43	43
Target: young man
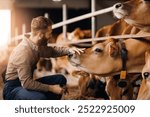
19	82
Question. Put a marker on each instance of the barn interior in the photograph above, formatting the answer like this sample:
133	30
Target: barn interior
16	16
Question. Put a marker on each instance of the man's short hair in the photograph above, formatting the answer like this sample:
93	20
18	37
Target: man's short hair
40	23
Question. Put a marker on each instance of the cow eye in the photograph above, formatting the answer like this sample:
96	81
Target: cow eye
98	50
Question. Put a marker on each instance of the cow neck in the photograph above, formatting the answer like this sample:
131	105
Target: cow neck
123	52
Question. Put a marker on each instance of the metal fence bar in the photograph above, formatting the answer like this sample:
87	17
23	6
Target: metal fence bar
134	36
64	19
93	18
72	20
88	15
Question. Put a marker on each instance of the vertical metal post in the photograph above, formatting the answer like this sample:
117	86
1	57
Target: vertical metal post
93	19
64	19
16	34
46	15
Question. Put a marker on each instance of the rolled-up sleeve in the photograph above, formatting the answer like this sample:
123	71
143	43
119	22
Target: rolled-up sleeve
47	51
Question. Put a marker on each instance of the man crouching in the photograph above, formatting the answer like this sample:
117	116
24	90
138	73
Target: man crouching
19	82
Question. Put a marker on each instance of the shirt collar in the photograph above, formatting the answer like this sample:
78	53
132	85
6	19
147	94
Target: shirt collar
32	45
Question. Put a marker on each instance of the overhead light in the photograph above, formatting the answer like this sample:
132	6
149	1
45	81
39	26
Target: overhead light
56	0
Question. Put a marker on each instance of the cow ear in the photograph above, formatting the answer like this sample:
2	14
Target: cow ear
113	50
78	32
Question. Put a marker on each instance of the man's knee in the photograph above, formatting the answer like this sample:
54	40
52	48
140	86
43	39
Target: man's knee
62	79
53	79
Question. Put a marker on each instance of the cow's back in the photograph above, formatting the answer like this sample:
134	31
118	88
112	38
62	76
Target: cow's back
118	28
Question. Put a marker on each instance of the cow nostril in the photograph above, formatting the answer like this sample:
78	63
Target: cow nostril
118	5
146	74
70	55
122	84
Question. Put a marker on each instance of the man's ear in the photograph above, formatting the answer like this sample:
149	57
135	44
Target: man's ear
113	49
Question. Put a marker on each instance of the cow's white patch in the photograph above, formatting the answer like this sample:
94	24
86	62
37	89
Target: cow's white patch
119	13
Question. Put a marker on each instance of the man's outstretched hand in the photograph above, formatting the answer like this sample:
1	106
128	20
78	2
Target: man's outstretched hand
74	50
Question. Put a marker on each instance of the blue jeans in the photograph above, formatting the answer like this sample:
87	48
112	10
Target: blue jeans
14	91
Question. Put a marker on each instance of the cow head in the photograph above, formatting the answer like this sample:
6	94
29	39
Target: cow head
105	58
78	34
44	64
102	58
145	86
91	85
126	92
146	69
134	12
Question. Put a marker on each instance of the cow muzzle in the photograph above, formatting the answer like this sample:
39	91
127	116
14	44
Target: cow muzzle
74	59
70	55
118	5
73	56
119	11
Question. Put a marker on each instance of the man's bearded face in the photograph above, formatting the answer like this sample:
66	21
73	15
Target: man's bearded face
42	42
47	35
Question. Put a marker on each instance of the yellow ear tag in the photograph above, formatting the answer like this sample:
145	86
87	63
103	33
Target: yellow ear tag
123	74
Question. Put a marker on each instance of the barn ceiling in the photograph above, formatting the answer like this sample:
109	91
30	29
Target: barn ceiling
76	4
51	3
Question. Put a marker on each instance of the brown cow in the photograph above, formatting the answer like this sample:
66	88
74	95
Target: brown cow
62	65
144	93
90	86
135	13
128	91
75	35
44	68
104	58
134	19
